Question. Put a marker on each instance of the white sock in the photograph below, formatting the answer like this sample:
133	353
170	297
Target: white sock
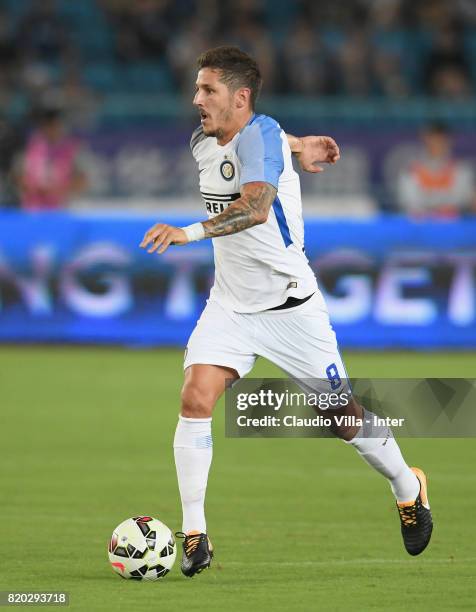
377	446
193	449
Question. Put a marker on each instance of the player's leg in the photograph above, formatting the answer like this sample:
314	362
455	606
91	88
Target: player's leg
218	351
307	349
203	386
377	446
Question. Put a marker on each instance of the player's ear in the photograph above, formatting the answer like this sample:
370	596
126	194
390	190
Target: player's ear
242	97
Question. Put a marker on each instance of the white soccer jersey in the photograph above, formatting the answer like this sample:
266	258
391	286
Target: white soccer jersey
260	267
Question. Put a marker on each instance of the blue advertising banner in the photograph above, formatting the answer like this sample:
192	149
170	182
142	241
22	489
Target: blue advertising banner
389	282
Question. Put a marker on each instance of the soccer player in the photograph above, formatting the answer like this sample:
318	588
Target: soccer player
265	300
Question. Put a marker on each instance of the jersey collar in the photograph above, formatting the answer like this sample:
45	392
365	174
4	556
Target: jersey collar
252	118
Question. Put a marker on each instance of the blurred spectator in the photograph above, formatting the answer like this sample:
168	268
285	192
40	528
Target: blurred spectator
388	47
50	173
43	33
78	100
364	48
354	59
11	143
447	70
436	184
465	10
143	30
450	81
8	52
183	51
339	13
306	63
36	80
8	60
242	10
252	37
432	14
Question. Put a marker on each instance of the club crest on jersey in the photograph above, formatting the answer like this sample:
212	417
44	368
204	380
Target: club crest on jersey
227	170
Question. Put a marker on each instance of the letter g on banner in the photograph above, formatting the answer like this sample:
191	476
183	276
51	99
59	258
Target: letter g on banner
117	297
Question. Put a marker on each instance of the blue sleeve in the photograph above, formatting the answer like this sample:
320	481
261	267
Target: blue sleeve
260	151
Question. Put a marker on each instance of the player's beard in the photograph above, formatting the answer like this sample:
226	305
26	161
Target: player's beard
224	117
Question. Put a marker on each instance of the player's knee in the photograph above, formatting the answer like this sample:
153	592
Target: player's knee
196	402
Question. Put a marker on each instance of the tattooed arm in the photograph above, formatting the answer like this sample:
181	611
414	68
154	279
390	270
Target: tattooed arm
251	208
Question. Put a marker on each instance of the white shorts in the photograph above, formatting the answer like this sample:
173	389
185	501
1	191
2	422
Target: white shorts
299	340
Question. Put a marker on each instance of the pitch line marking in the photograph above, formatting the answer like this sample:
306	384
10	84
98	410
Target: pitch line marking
351	562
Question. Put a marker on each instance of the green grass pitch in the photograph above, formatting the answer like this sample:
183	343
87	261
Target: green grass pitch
298	525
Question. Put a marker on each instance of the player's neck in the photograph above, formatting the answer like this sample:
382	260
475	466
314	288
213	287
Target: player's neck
225	137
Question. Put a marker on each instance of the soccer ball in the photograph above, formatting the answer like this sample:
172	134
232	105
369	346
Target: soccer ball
142	548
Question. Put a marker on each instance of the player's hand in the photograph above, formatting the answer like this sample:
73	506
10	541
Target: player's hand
317	150
160	236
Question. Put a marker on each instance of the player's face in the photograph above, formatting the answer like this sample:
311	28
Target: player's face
214	101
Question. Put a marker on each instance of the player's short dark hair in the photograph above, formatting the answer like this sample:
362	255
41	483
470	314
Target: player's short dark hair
237	67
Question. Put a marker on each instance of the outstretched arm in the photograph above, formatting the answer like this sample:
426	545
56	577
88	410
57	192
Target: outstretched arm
251	208
311	151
